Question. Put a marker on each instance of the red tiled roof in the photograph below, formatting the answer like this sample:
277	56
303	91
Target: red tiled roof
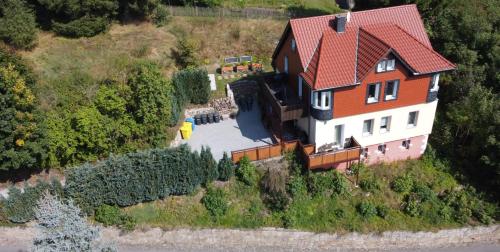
332	59
308	31
420	58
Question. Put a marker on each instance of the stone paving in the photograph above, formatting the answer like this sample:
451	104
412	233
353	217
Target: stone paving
246	131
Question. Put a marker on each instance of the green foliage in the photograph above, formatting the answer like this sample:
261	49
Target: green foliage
215	202
402	184
161	16
19	207
192	85
208	165
185	53
112	216
382	211
423	192
135	177
225	168
83	27
412	205
319	183
22	138
246	172
17	24
274	183
340	185
370	184
151	104
297	186
367	209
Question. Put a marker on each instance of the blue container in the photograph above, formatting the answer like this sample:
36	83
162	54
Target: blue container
191	120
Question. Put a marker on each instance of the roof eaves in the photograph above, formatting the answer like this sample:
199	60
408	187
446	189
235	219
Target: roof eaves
356	55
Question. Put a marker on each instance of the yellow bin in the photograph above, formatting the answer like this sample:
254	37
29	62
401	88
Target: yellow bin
186	130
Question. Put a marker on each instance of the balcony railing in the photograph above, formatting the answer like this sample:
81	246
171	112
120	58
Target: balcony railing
327	160
285	104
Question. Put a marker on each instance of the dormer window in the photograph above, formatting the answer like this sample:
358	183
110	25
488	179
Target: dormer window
294	45
435	83
321	100
386	65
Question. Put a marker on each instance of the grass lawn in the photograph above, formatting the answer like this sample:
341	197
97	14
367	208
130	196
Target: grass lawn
323	5
324	212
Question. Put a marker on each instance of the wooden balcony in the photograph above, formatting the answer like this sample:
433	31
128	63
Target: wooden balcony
284	103
328	160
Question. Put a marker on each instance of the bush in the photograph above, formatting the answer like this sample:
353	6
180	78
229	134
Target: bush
367	209
208	165
225	168
192	85
185	53
382	211
112	216
17	24
161	16
246	172
135	177
277	201
274	184
340	185
423	192
370	184
83	27
215	202
319	183
402	184
412	206
297	186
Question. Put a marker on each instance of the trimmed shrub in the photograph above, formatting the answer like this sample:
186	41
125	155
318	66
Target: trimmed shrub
246	172
20	206
208	165
225	168
402	184
83	27
135	177
367	209
192	85
215	202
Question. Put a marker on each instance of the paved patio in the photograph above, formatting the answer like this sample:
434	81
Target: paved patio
246	131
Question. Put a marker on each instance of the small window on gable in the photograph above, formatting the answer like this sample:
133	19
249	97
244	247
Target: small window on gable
386	65
391	90
373	93
294	45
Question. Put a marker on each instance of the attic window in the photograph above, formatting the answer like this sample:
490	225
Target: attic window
386	65
294	45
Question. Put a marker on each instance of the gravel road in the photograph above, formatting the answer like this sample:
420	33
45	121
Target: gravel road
481	239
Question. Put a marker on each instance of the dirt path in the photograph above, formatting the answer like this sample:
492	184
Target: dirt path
275	240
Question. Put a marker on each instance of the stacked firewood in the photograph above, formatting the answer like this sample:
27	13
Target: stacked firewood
222	105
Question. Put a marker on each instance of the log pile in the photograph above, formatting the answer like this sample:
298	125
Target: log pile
223	105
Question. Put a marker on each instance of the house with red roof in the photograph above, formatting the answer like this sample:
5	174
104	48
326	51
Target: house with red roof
364	80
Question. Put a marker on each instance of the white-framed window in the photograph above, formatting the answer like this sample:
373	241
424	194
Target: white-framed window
286	65
300	87
435	83
339	136
293	45
373	93
368	127
321	100
406	144
391	90
412	119
385	124
381	148
386	65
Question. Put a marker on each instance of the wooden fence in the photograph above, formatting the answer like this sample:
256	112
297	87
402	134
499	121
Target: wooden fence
194	11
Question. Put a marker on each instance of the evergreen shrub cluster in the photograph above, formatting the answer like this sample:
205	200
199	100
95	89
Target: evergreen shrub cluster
136	177
112	216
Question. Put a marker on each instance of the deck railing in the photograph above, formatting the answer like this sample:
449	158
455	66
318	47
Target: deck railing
285	112
312	160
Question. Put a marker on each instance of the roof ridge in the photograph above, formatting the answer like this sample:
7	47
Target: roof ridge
430	49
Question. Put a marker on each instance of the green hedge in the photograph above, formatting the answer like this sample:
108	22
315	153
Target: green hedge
134	178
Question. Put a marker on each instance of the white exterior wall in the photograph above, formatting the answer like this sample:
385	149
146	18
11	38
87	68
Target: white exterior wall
353	125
